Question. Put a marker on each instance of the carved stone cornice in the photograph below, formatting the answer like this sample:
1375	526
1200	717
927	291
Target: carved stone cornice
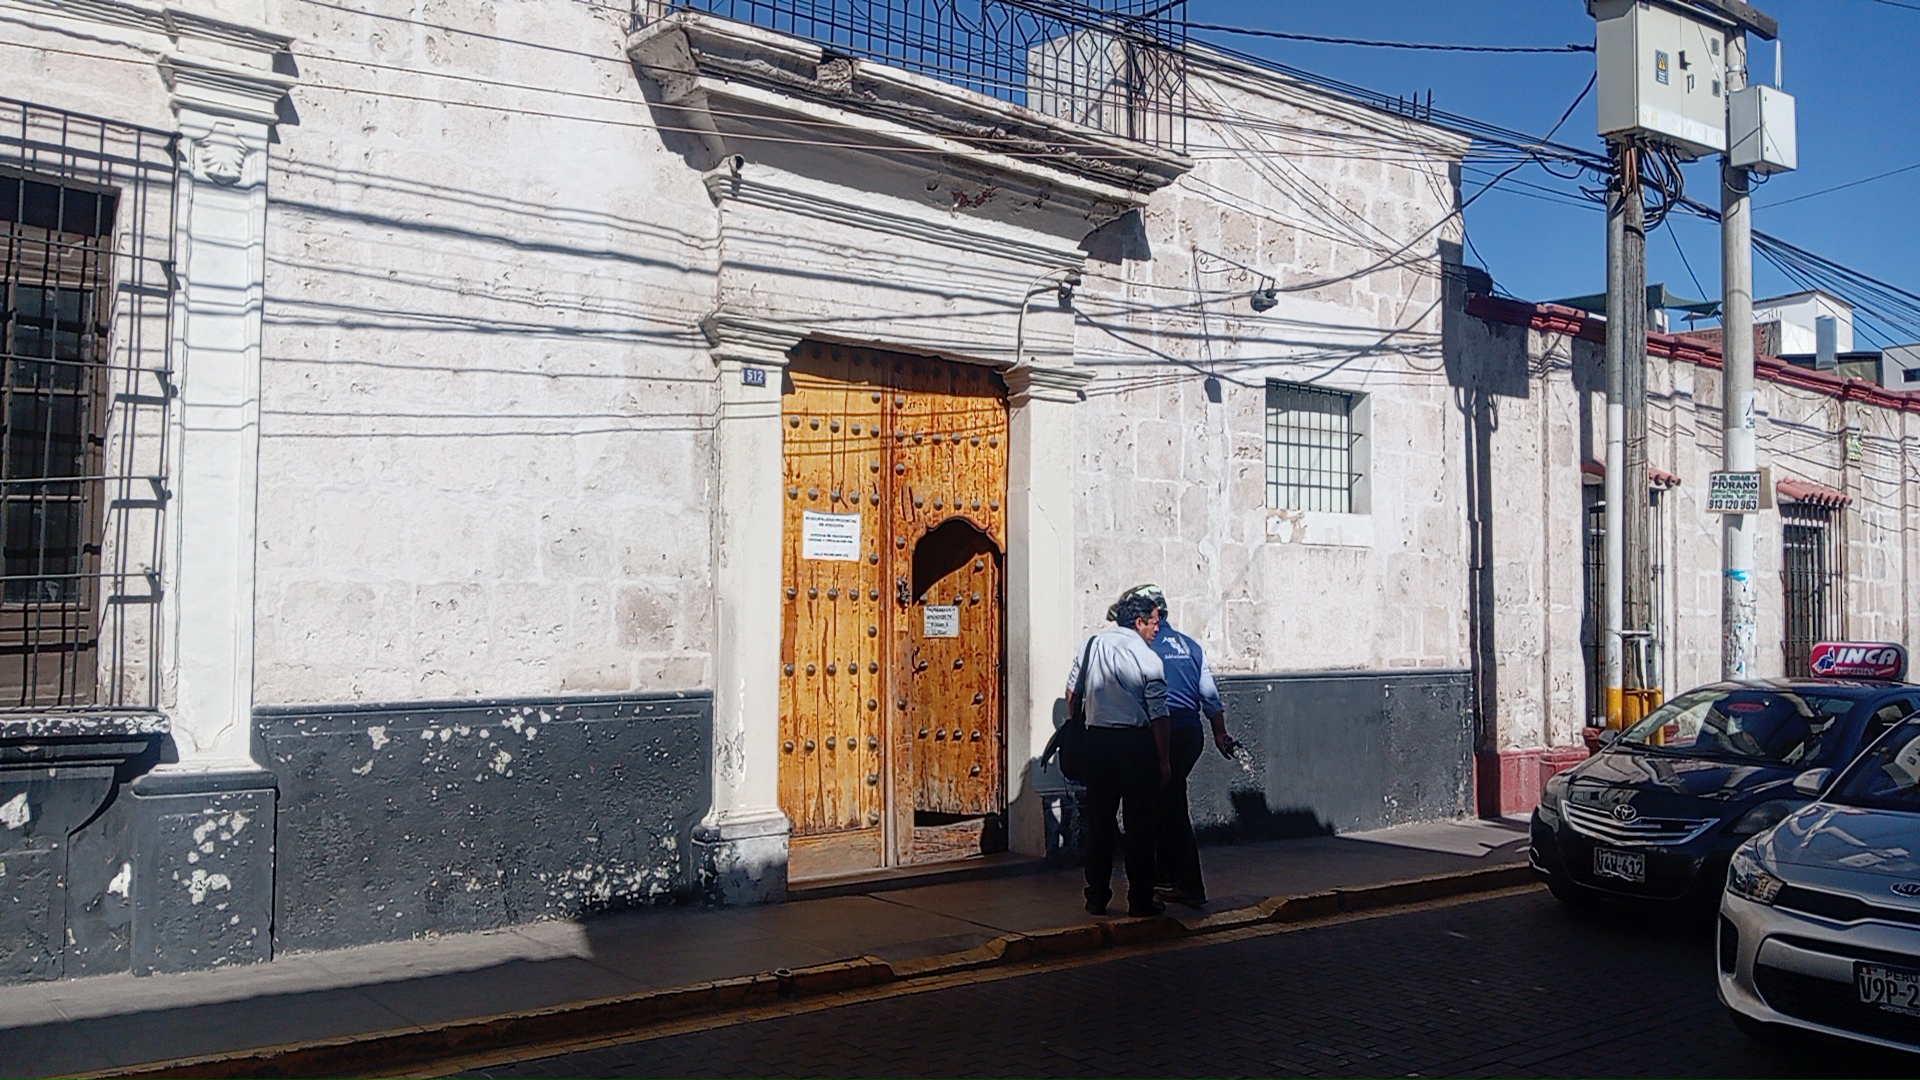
776	92
742	184
212	88
215	65
742	339
1046	382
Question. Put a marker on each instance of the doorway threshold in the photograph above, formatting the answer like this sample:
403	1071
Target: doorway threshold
980	867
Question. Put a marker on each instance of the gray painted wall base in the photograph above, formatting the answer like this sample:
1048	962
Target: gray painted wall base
1325	753
743	862
102	872
1338	752
203	858
405	819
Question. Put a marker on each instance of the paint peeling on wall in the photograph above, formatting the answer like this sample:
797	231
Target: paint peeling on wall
15	813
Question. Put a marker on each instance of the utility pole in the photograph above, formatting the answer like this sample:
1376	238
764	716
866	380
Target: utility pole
1739	602
1628	573
1760	138
1666	71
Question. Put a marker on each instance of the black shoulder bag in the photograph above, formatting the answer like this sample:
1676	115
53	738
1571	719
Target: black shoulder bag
1070	742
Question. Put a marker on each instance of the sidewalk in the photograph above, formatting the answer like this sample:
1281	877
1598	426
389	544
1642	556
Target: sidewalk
117	1021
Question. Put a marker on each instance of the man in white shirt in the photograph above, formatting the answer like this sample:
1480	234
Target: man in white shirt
1128	755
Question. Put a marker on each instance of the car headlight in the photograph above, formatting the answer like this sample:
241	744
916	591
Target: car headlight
1552	794
1748	881
1763	817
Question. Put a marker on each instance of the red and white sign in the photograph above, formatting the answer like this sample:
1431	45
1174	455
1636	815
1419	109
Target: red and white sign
1858	660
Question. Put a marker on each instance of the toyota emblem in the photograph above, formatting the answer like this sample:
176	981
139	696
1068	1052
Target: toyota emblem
1907	888
1625	814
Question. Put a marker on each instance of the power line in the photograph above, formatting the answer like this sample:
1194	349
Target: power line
1843	187
1247	31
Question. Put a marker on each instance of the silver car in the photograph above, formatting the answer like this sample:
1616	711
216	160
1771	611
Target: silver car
1820	922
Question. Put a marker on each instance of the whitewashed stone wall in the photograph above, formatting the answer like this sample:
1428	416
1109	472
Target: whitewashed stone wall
1345	211
486	403
1546	433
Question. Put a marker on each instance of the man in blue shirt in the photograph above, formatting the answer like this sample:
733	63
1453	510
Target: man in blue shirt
1191	695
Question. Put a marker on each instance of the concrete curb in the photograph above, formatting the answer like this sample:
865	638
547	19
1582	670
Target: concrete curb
385	1053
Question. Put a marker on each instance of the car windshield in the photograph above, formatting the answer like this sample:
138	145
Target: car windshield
1746	723
1886	777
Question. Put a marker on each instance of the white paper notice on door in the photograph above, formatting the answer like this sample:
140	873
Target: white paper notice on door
940	620
833	537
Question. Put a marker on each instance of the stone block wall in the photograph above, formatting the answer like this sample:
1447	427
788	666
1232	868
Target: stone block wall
1173	433
485	401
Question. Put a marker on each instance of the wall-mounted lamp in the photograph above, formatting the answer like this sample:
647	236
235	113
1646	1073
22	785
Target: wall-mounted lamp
1264	299
1063	295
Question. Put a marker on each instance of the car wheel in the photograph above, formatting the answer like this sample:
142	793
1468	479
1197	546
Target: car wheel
1577	897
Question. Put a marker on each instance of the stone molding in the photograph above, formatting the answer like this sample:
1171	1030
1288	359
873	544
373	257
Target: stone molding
214	65
216	89
734	183
170	21
92	725
722	75
1046	382
742	339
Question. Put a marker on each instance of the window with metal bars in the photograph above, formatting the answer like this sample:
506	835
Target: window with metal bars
1810	581
85	308
1311	441
1593	616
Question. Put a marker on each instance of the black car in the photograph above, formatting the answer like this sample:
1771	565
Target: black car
1657	813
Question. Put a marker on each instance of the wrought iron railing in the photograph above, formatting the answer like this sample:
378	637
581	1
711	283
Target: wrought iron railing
1114	65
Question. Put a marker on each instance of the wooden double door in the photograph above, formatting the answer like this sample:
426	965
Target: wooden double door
892	718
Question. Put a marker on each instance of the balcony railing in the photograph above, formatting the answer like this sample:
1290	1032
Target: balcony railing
1113	65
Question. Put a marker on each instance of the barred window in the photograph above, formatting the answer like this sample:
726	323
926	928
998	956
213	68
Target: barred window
85	308
1313	449
1810	573
1593	616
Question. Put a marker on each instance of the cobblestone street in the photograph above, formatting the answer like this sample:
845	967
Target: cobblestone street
1511	986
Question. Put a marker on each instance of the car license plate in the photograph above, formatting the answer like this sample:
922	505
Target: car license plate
1625	865
1893	989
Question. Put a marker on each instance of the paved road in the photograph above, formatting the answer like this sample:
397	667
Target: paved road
1510	986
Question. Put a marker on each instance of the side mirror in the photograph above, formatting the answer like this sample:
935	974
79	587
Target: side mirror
1812	782
1609	737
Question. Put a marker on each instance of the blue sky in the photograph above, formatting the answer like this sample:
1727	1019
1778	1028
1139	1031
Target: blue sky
1853	67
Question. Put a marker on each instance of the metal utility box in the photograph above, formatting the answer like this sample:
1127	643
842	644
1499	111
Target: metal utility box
1761	128
1662	75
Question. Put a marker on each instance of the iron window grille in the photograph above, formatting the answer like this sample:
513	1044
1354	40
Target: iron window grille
86	304
1117	66
1593	619
1310	448
1810	581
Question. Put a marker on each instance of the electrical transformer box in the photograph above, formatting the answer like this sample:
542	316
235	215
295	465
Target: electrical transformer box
1761	128
1662	75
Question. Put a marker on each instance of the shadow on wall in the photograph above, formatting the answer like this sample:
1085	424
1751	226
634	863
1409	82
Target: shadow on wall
1487	366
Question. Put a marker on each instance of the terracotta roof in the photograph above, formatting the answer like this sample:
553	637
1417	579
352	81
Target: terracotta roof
1806	491
1573	322
1659	478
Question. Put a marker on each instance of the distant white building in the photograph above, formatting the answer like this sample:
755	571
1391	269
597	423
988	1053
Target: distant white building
1798	315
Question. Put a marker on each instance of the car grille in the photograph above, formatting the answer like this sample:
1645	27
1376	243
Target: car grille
1831	1004
1602	825
1839	907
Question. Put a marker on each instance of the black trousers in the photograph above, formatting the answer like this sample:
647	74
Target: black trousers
1178	857
1123	775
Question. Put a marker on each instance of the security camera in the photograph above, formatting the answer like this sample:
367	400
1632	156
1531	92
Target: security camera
1264	299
